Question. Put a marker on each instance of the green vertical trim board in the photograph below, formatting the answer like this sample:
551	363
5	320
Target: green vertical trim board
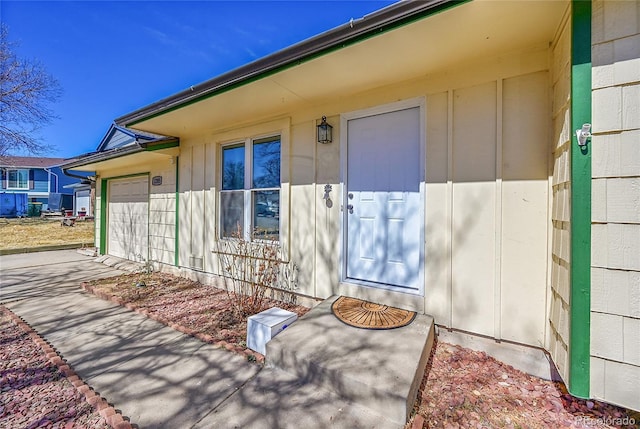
103	216
177	220
580	319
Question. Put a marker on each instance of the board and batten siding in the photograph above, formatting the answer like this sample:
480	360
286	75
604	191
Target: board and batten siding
558	342
487	207
197	212
487	195
615	271
487	199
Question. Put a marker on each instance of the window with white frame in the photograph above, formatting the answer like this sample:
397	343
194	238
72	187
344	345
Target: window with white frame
18	179
250	192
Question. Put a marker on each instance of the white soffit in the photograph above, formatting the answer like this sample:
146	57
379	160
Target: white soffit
475	30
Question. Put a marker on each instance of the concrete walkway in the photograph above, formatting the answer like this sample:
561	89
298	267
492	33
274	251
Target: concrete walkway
154	375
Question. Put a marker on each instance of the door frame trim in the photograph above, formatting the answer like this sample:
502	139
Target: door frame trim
410	103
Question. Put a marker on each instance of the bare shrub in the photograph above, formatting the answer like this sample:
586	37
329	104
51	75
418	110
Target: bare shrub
254	273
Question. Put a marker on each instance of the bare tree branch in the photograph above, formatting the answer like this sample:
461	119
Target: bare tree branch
26	93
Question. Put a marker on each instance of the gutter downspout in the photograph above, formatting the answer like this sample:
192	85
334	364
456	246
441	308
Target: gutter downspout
57	179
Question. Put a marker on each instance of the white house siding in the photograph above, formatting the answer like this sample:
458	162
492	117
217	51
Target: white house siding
487	194
558	339
615	273
197	204
488	181
486	197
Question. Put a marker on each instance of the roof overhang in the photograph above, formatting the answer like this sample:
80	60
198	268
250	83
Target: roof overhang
420	39
135	154
78	186
382	20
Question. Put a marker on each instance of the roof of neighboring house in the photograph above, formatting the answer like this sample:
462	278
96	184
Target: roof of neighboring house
390	17
29	162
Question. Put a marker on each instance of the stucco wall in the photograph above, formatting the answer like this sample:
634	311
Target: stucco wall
615	273
558	341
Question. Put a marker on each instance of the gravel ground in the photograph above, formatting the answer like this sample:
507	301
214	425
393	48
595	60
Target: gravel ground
34	392
461	388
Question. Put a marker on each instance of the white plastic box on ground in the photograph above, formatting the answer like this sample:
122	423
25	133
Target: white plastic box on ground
263	326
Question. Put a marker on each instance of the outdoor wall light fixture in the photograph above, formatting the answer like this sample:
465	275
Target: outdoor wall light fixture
325	132
583	134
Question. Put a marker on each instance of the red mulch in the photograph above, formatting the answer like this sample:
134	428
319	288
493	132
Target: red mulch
463	388
34	392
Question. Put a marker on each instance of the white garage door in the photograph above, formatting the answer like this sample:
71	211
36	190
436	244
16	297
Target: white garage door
128	218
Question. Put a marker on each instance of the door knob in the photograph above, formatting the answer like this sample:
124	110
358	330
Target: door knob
350	208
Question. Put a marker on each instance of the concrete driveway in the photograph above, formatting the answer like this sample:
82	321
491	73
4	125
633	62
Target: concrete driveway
156	376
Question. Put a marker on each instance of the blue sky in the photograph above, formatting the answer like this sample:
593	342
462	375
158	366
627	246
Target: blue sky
114	57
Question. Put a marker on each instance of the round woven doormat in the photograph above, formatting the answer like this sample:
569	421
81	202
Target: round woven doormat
367	315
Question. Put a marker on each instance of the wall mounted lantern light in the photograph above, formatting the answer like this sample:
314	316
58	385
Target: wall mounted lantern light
325	132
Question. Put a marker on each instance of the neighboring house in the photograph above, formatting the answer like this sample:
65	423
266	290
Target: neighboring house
37	177
454	183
